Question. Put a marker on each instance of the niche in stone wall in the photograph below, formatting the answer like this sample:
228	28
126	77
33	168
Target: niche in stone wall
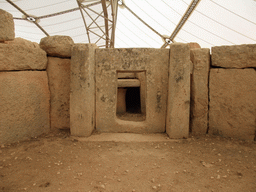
131	95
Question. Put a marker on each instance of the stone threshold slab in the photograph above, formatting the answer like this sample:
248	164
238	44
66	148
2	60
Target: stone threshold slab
127	137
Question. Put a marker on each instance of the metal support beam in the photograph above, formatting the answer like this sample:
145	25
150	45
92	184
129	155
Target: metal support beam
104	7
86	28
182	21
114	8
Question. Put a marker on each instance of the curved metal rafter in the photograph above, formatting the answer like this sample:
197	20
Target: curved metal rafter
182	21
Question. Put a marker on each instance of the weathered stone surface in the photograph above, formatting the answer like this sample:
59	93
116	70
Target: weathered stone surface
59	46
193	45
236	56
199	90
233	103
178	108
21	54
24	105
58	71
151	68
6	26
82	85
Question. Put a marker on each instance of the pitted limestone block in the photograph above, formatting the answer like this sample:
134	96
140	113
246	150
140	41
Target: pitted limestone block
59	46
233	103
58	71
24	105
21	54
178	107
199	90
151	69
82	90
6	26
236	56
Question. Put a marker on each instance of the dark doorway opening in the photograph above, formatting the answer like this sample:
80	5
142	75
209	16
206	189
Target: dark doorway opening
132	100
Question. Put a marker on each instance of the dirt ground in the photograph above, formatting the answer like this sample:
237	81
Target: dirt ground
59	162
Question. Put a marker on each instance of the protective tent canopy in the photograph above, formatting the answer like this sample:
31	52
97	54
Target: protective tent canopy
144	23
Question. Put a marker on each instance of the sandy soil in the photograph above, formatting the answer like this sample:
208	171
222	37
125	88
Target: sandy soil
59	162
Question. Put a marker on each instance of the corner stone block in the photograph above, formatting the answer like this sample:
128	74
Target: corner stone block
199	90
24	105
82	87
58	71
233	103
235	56
6	26
178	108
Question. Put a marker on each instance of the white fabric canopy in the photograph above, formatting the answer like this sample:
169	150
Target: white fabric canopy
213	23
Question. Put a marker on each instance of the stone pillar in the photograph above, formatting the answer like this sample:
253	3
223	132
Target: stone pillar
121	104
178	105
82	87
58	71
6	26
199	90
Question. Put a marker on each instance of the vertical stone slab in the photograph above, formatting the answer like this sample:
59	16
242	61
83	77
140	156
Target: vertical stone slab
58	71
233	103
199	90
24	105
82	87
178	108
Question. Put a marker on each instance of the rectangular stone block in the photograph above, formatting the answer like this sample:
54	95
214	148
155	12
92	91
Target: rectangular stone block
151	69
21	54
58	71
233	103
82	87
235	56
24	105
199	90
178	107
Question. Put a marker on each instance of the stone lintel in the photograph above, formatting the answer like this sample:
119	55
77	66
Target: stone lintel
128	83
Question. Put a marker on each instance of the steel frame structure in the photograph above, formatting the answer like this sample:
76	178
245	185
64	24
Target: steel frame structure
106	32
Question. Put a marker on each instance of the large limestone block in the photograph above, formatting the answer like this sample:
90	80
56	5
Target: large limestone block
24	105
59	46
58	71
233	103
22	54
236	56
82	90
151	68
6	26
199	90
178	108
